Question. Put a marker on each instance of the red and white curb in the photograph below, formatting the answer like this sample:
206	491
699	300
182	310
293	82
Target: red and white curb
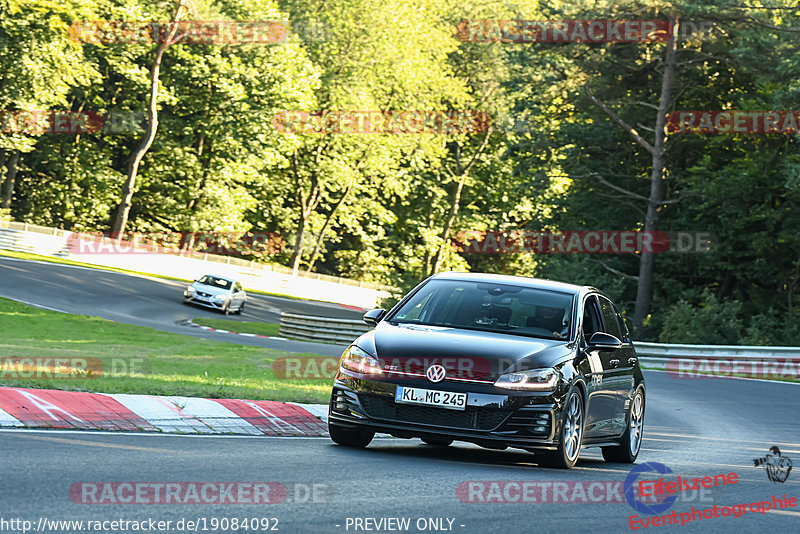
189	322
44	408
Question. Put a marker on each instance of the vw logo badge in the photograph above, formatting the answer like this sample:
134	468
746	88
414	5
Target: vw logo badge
435	373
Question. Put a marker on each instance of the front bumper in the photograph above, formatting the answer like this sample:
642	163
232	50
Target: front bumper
207	302
492	418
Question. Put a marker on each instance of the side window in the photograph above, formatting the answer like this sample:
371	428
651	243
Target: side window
610	319
622	325
591	317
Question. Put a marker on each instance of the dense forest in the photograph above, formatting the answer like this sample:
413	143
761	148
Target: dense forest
479	129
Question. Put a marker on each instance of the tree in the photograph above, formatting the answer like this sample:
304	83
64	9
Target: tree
121	219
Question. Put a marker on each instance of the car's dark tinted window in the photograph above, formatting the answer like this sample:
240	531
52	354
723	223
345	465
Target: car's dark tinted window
622	326
610	319
490	307
216	282
591	317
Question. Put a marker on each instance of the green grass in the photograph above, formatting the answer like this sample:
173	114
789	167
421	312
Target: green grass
171	364
246	327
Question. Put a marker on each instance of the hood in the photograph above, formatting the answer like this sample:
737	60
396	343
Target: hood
467	354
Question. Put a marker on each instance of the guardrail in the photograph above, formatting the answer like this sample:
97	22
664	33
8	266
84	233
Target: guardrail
324	329
666	350
46	241
657	355
651	355
51	243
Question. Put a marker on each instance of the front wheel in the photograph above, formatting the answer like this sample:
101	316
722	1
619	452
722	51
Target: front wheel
348	437
571	435
631	441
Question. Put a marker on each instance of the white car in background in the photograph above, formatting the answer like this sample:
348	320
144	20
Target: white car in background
216	292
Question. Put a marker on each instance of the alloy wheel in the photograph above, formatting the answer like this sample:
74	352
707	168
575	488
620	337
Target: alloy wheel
573	427
637	423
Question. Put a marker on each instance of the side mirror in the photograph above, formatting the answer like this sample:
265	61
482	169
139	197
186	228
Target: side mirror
601	340
373	316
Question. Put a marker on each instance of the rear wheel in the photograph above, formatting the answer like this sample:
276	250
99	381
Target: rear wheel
631	441
437	442
350	437
571	435
241	309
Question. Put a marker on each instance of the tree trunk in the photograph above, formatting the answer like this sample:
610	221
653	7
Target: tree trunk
321	236
307	204
427	259
2	173
455	203
299	242
462	172
121	220
11	178
644	289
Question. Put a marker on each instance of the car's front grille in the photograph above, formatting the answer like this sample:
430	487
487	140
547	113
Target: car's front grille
379	407
203	294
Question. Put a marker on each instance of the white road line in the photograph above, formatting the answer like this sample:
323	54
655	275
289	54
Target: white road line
713	377
36	305
147	434
786	512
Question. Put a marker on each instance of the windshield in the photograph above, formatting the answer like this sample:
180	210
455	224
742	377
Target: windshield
215	282
489	307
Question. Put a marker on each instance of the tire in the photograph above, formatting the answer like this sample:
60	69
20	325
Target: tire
241	309
631	441
570	435
348	437
226	309
437	442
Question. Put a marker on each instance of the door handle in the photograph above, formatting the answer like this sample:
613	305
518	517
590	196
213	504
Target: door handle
613	363
632	361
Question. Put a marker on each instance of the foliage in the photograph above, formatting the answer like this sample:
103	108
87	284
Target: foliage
710	323
384	207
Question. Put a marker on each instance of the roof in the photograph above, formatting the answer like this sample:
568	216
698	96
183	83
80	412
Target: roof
526	281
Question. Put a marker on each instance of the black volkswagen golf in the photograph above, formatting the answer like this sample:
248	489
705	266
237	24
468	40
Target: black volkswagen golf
500	361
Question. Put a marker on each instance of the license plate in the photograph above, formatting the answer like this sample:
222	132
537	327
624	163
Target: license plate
431	397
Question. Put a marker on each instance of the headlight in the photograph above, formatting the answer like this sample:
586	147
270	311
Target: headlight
190	289
533	380
219	297
359	361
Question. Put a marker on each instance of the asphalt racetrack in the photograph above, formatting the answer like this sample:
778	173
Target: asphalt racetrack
152	302
695	427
